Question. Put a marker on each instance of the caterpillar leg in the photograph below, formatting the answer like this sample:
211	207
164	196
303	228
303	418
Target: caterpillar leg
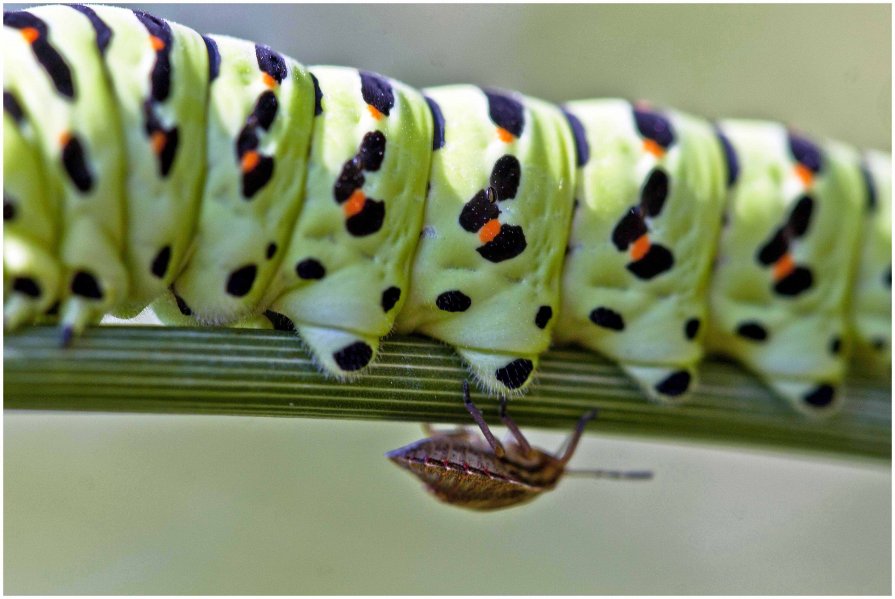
500	374
813	398
661	383
341	353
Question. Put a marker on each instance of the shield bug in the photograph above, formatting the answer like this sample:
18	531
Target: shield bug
462	469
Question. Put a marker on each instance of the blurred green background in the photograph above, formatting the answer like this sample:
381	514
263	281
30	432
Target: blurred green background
98	503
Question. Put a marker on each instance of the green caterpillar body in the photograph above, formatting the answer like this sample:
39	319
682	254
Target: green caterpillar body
226	184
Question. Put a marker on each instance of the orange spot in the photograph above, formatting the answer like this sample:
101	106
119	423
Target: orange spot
64	138
489	231
269	81
784	266
805	174
30	34
374	112
505	136
653	148
158	44
640	247
158	141
354	204
249	161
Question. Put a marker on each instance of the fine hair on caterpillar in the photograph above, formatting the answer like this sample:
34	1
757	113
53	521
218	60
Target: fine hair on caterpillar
219	181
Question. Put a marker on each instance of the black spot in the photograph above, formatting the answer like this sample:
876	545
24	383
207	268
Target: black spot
629	229
103	33
821	397
390	297
479	210
730	159
654	126
377	92
368	220
691	328
241	280
608	319
160	77
271	250
437	122
654	192
545	313
160	263
86	285
353	357
181	305
169	151
11	105
279	321
800	216
514	374
75	163
310	269
505	111
214	60
887	277
26	286
805	152
453	301
795	283
879	344
675	384
270	62
871	188
372	151
265	111
9	208
752	330
835	345
774	249
582	149
53	310
350	179
505	177
254	180
46	54
318	96
658	259
507	244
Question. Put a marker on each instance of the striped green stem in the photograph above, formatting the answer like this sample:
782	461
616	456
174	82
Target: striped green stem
266	373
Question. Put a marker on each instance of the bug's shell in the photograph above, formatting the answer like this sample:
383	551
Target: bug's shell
780	287
261	106
346	268
75	120
871	306
650	194
504	163
461	469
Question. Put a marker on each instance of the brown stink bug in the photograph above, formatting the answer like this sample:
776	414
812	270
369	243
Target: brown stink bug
462	469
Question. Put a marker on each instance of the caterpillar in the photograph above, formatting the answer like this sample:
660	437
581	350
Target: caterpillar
223	183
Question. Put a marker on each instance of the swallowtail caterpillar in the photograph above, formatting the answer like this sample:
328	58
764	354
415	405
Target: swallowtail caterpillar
462	469
223	183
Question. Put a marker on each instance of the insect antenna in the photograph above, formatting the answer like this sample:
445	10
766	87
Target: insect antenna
477	416
612	474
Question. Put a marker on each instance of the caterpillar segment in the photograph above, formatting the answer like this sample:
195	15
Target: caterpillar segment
871	305
487	271
650	192
346	267
52	60
260	112
780	286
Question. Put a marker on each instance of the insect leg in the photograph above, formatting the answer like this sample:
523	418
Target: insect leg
477	416
613	474
572	443
514	429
